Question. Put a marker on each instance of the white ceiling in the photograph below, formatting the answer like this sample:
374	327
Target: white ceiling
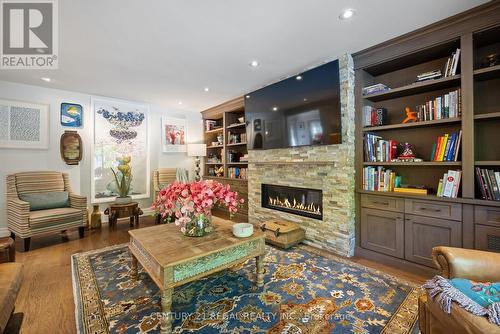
165	51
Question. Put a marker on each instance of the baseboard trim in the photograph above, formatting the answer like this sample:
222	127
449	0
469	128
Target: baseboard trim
4	232
395	262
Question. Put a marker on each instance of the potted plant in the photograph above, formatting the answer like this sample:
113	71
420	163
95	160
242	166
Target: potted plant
123	179
190	204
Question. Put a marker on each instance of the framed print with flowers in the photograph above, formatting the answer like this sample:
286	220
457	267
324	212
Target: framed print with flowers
173	133
120	134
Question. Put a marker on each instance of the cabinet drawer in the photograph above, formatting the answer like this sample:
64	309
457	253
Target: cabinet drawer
487	238
434	209
382	231
382	202
423	233
487	215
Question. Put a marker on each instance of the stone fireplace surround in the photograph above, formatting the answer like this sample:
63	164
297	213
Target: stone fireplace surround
329	168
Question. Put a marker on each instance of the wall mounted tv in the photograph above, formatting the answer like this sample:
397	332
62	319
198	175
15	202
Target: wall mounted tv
298	111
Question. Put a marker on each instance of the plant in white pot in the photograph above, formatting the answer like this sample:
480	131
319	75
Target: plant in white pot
123	179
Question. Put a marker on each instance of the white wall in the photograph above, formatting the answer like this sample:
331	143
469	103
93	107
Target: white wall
16	160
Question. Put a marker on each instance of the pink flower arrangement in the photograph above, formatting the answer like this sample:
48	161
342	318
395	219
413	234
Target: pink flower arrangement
187	200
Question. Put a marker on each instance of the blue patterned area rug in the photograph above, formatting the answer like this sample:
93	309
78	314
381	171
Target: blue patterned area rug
303	293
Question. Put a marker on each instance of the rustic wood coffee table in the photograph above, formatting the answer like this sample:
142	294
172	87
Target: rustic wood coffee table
172	259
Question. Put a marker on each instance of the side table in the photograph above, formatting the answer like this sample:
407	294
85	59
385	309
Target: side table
130	210
7	250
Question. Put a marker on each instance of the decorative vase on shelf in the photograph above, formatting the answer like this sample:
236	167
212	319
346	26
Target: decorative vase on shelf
198	226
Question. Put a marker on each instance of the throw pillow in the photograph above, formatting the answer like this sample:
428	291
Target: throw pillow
48	200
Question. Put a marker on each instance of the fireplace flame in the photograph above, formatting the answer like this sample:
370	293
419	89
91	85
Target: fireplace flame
296	205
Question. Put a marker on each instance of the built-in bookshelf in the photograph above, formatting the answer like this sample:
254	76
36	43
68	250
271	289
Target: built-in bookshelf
227	150
393	226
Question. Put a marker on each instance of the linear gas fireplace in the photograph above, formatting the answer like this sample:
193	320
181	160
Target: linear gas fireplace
299	201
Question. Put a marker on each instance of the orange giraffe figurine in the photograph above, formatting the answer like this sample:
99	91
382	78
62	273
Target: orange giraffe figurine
411	116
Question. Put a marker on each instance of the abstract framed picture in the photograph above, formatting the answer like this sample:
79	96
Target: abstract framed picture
71	115
120	134
24	125
173	135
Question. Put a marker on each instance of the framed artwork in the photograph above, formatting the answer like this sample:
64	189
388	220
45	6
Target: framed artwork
71	147
24	125
120	133
173	133
71	115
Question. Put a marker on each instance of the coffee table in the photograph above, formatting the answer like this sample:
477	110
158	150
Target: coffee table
172	259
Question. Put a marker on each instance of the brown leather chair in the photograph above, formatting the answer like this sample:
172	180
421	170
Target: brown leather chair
459	263
11	276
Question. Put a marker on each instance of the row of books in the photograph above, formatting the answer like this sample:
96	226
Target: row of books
446	147
449	185
377	88
489	183
442	107
378	149
378	179
374	116
237	173
450	68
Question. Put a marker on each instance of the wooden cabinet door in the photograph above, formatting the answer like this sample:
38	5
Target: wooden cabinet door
382	231
487	238
423	233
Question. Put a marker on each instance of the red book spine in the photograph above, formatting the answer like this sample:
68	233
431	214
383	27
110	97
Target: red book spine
438	148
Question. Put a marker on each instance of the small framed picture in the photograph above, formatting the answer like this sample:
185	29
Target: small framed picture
71	115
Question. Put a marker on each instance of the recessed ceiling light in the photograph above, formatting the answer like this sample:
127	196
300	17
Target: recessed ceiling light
46	79
275	108
247	96
206	89
305	99
179	103
298	77
254	63
347	14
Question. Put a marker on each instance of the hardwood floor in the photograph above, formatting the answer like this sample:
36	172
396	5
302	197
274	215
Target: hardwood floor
46	296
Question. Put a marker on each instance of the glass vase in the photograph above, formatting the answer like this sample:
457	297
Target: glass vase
198	226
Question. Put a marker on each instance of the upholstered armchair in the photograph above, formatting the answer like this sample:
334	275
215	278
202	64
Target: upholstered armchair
453	262
26	221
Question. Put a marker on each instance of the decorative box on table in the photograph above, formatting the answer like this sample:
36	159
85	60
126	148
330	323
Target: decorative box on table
282	233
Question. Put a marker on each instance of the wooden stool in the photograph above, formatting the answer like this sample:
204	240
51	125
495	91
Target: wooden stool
130	210
7	250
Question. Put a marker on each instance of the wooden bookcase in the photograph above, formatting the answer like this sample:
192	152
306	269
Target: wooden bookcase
404	230
233	132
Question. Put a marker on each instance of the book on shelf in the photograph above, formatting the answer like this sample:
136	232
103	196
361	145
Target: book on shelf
411	190
378	179
435	74
211	125
449	185
374	116
379	150
488	182
451	65
377	88
447	147
442	107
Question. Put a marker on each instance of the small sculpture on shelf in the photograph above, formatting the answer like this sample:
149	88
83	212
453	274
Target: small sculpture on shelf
411	116
219	172
407	155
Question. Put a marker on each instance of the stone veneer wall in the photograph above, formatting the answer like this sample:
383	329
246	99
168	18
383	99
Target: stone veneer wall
305	167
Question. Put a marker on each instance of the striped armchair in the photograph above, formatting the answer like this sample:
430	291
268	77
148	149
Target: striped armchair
25	223
163	177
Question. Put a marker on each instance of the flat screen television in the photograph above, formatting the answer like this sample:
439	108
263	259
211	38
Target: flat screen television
299	111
